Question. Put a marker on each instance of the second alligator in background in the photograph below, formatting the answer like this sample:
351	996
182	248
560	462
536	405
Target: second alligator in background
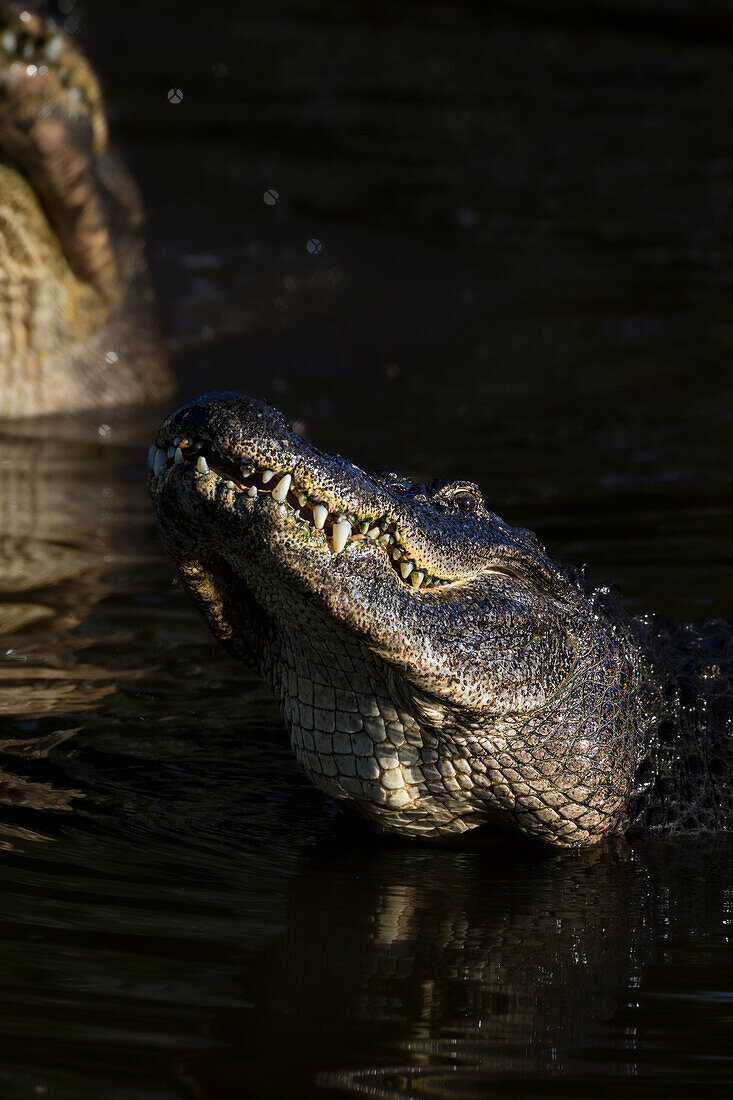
78	320
437	669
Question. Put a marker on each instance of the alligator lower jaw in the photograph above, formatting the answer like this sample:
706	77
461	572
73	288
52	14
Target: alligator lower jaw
248	487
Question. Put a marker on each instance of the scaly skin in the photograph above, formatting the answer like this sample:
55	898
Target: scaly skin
78	326
436	668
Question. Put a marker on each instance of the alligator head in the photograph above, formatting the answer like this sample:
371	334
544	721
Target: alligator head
436	667
77	318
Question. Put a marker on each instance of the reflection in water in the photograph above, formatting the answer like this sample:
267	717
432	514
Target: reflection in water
443	972
65	501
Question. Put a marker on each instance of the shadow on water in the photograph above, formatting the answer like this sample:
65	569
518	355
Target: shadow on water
525	279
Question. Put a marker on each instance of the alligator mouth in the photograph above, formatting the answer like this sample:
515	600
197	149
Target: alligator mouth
34	48
303	507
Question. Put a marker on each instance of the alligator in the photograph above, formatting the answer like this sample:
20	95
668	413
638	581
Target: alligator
437	668
78	321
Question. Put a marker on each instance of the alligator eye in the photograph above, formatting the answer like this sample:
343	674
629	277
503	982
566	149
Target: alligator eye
467	502
463	495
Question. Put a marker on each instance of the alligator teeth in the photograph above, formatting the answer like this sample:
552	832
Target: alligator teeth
281	489
320	515
340	536
384	531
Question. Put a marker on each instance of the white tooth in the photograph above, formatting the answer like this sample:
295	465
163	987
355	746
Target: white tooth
397	553
177	441
159	462
151	456
281	489
302	499
252	492
53	48
202	465
417	578
406	568
177	456
267	475
340	535
320	515
385	540
171	452
230	485
373	533
247	471
364	527
9	42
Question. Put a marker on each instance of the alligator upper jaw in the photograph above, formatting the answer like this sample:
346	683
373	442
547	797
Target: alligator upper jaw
53	133
234	535
255	457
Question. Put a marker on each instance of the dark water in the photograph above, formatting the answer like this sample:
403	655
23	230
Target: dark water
525	278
